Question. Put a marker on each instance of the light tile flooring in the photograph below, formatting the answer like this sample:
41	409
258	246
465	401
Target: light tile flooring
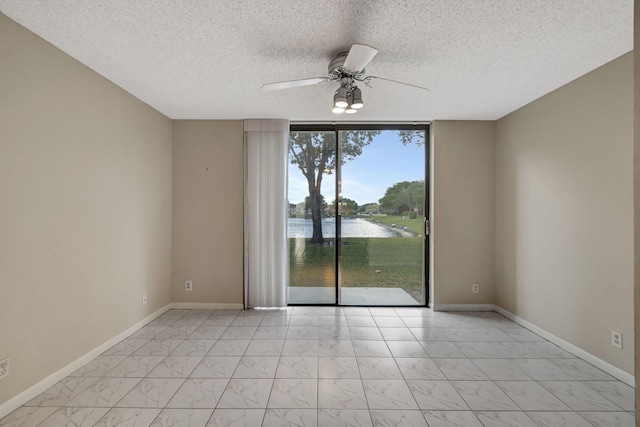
332	366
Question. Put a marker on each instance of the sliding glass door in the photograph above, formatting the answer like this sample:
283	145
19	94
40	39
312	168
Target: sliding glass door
382	219
357	216
312	226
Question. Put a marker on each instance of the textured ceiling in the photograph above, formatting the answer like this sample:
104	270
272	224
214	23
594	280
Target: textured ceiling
207	59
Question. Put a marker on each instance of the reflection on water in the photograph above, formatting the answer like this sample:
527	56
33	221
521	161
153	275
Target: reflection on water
351	227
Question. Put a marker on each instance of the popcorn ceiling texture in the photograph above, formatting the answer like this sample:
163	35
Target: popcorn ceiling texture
197	59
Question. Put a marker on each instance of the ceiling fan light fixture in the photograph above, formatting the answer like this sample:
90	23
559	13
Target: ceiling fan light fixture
350	109
340	98
356	101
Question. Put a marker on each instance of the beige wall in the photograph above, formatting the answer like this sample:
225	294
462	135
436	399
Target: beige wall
208	176
564	212
85	209
462	212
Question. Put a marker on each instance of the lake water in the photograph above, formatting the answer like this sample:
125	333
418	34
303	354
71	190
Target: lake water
351	227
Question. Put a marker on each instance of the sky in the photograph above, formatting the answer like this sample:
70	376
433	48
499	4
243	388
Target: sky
365	179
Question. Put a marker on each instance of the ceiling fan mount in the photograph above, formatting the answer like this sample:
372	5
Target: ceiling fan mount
337	71
345	69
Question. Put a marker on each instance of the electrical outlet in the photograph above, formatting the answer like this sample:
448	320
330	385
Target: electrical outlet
144	300
474	288
188	285
616	339
4	368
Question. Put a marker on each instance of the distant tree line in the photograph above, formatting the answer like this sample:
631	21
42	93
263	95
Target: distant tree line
405	196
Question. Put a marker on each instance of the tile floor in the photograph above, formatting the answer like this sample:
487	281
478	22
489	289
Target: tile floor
332	366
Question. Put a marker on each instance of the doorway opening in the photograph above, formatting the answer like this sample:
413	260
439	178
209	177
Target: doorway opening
358	215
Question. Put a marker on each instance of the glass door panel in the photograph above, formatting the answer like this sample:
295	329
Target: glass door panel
312	221
356	225
381	207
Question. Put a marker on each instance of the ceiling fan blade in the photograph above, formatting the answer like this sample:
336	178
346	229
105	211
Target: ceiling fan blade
368	79
359	56
295	83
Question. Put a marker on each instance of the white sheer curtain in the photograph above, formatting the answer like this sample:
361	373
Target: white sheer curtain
266	207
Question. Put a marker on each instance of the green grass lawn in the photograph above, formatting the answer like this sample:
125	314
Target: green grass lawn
366	262
415	224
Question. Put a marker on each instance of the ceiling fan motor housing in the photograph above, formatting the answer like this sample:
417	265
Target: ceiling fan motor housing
337	63
337	71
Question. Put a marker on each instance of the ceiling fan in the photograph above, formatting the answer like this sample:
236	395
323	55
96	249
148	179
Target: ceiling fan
346	69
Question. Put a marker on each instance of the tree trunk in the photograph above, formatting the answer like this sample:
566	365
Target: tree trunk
315	202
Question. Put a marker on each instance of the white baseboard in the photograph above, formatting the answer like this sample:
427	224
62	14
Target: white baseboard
207	306
463	307
17	401
614	371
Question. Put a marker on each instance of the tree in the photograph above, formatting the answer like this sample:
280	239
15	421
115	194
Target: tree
368	208
315	155
348	206
323	204
371	208
411	137
403	196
